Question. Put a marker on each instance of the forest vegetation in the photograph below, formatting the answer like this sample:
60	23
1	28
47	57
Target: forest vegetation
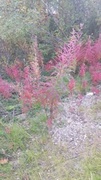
50	57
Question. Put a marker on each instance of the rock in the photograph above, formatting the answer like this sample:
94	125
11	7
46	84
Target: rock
88	94
21	117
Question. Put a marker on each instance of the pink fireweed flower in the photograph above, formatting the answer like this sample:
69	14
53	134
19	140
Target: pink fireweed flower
96	77
82	70
5	88
14	72
95	90
71	85
49	123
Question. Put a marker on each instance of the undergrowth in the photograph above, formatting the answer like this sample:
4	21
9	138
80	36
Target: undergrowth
40	159
26	149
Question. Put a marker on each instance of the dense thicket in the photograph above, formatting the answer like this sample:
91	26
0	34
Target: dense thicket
50	20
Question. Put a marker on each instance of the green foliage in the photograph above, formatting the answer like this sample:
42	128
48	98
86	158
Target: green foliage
36	108
6	169
92	167
31	156
17	19
10	108
13	137
39	157
51	21
38	124
18	137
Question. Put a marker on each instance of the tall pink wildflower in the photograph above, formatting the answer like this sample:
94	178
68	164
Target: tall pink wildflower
5	88
82	70
71	85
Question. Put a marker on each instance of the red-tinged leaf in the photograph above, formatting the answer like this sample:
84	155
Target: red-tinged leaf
49	123
95	90
82	70
3	161
8	130
71	85
2	175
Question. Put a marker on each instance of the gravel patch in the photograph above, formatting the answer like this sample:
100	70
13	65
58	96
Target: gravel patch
78	125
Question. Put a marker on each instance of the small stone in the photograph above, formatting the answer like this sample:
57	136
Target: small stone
89	94
21	117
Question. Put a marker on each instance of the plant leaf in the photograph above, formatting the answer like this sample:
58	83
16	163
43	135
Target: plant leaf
3	161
